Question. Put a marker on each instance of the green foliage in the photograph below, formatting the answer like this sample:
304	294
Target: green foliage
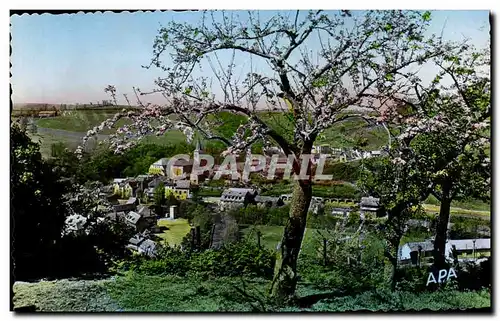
233	259
426	16
159	195
104	165
343	171
352	266
384	300
37	208
144	293
467	227
256	215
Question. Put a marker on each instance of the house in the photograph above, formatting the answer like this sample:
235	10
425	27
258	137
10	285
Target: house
341	211
132	200
142	245
116	185
415	252
369	206
147	247
122	188
237	196
124	207
268	201
159	167
181	167
115	216
179	189
143	181
145	211
471	246
135	220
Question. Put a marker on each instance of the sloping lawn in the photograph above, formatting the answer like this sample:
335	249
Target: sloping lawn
177	229
271	236
143	293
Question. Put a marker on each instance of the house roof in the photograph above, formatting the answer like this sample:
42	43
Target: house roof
119	180
133	217
157	180
236	194
370	202
148	247
182	184
131	200
144	211
480	244
238	191
136	239
425	246
182	162
341	210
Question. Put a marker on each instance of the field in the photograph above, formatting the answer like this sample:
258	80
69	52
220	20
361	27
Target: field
177	229
344	134
144	293
430	208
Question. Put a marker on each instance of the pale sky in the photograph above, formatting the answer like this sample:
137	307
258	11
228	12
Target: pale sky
71	58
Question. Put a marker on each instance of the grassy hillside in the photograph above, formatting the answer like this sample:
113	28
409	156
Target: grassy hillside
344	134
142	293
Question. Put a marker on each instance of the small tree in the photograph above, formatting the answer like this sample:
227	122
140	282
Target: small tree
159	198
401	190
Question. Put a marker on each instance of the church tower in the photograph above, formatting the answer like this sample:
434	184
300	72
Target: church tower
196	157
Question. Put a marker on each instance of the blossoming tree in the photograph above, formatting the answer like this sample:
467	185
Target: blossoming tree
356	54
443	141
455	155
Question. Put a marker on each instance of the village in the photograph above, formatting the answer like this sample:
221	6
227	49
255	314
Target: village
251	161
132	202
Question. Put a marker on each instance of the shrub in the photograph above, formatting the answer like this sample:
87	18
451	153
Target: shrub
351	267
234	259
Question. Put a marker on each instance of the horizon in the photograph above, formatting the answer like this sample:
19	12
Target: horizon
70	58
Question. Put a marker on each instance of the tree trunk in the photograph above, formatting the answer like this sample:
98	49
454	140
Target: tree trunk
392	255
442	227
285	273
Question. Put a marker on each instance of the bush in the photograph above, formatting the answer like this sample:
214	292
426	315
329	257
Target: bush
467	227
351	267
234	259
343	171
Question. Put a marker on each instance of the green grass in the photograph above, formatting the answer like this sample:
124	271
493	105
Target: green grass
64	295
271	236
177	229
429	208
476	255
77	121
143	293
46	141
469	204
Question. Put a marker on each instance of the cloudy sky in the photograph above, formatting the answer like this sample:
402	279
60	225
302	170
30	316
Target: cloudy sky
71	58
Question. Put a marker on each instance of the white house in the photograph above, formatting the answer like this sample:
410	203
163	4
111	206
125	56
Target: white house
409	252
